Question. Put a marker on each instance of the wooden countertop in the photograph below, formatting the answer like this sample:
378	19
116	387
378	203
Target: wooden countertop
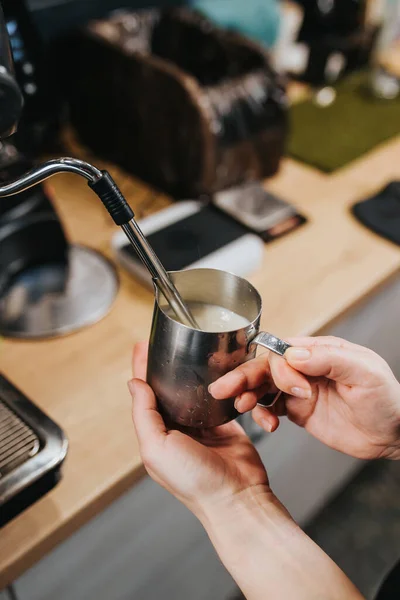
308	279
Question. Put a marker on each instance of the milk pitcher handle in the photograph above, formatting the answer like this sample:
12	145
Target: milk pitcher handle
270	342
276	345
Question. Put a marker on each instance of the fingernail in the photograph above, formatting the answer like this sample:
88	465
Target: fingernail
132	387
266	425
298	354
213	387
238	402
300	392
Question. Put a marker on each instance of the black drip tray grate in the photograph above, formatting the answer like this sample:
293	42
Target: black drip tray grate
18	442
32	450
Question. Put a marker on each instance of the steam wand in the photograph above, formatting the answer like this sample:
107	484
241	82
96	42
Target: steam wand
106	189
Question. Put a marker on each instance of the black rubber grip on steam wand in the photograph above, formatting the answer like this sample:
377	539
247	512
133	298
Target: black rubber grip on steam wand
113	199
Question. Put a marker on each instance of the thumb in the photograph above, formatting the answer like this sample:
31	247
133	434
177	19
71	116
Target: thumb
149	424
344	365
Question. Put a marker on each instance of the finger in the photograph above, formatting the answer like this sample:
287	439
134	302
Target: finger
280	407
248	376
139	360
341	364
324	340
149	425
248	400
288	379
265	419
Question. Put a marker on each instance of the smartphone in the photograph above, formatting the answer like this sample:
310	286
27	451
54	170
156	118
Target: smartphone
261	212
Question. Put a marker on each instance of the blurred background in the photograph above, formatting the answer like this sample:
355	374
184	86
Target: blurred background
258	137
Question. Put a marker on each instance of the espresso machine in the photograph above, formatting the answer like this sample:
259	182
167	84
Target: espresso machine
47	288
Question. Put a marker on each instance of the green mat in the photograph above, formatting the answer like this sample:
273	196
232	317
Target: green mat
331	137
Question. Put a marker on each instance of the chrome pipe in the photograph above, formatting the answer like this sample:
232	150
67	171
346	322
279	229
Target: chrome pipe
106	189
160	276
52	167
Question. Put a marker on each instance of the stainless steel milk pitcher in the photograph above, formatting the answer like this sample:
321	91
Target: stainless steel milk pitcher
183	361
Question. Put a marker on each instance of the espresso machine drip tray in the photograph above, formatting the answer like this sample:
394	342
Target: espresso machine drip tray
32	449
18	442
49	300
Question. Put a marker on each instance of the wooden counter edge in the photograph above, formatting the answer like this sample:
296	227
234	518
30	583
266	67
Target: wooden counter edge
69	526
370	293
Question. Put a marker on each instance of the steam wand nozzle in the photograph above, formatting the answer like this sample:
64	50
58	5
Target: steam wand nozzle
122	215
107	190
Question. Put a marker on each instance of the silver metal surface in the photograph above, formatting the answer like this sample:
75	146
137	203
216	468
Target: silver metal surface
183	361
269	400
47	301
160	276
270	342
48	169
278	346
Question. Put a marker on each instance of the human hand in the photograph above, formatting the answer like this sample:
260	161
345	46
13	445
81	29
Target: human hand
203	469
219	476
350	399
